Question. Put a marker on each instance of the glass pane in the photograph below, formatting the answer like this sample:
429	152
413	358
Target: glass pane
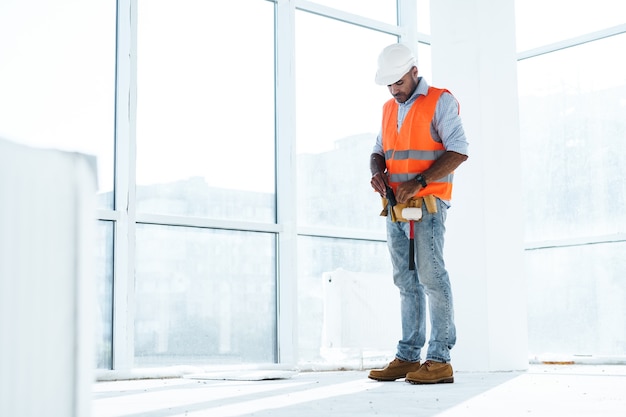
57	86
572	131
205	109
104	292
423	16
338	118
204	296
425	62
540	22
576	300
349	308
383	10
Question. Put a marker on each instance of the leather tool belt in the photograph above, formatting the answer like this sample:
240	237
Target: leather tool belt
396	213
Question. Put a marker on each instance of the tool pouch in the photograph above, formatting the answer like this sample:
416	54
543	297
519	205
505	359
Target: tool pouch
396	213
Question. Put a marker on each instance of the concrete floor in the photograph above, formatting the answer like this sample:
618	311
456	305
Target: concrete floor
543	390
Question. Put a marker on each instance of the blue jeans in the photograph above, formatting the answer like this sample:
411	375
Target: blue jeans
429	279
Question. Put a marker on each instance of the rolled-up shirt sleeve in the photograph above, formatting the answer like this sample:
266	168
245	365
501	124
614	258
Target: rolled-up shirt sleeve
447	125
378	146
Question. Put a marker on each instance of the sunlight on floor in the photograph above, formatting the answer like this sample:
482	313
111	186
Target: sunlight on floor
549	391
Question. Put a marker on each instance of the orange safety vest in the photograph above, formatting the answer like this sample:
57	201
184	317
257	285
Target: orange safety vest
413	150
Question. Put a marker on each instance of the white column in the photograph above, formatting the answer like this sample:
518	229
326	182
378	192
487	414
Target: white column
47	232
473	55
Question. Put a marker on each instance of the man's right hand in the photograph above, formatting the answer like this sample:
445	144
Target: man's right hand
379	183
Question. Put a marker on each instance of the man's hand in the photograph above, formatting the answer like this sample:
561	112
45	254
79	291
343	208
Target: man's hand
379	183
406	190
379	178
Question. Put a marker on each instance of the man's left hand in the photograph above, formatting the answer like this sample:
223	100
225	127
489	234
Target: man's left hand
406	190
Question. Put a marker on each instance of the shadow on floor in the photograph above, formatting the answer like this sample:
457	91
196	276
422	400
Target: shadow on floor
314	394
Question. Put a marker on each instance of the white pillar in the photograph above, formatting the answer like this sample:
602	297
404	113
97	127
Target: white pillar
473	55
47	231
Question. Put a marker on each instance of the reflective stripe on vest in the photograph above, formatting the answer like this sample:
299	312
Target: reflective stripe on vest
413	150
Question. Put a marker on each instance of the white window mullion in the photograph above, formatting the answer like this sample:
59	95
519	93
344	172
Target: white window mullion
124	239
568	43
346	17
407	22
286	181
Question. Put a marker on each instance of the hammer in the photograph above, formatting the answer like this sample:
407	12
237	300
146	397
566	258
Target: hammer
412	214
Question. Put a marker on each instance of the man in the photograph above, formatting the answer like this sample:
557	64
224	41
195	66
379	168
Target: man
420	145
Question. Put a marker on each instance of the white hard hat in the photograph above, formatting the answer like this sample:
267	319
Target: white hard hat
393	62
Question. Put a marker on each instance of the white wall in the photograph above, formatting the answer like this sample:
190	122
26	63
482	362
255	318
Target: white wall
473	55
47	222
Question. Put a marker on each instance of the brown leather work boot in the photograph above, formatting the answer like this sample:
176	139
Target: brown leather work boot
431	373
396	369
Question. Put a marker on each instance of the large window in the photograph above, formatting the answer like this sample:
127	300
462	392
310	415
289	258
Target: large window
104	293
204	296
57	83
239	137
338	118
573	126
572	107
536	19
209	248
205	109
576	301
348	306
195	248
205	158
